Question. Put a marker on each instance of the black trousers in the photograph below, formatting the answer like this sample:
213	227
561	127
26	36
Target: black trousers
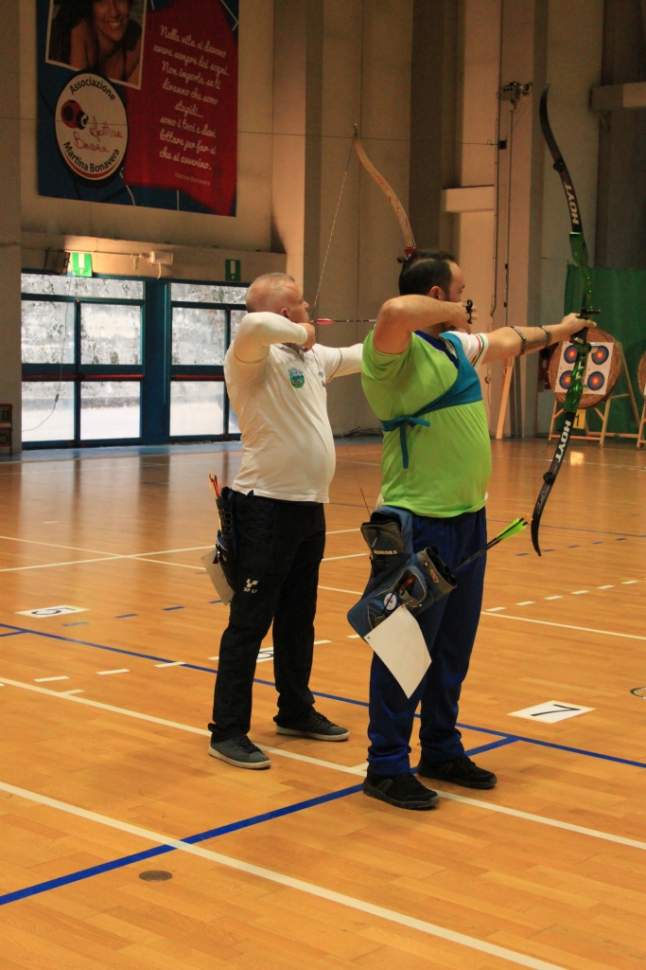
279	549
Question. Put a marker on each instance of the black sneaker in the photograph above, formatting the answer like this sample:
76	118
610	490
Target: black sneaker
459	771
404	791
314	725
240	752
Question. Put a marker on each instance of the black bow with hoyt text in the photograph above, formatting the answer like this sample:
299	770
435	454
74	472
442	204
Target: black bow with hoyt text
579	253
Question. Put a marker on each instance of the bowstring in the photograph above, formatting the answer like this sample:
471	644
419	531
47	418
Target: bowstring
328	247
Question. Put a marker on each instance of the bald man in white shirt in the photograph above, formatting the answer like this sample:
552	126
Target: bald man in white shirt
276	376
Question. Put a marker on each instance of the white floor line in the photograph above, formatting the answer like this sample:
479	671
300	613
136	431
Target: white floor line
545	820
335	589
172	663
557	596
56	545
332	766
494	609
118	670
352	555
318	642
332	532
167	552
607	586
629	582
48	680
70	693
579	592
113	555
163	562
282	879
52	565
107	558
526	603
565	626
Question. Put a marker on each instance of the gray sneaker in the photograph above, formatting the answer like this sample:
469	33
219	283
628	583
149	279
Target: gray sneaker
314	725
240	752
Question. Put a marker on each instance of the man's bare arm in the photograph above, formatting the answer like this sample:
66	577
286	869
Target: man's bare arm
399	317
513	341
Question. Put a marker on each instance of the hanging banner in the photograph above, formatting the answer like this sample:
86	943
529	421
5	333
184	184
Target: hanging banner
138	102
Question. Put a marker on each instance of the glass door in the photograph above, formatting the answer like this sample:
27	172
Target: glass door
82	359
201	322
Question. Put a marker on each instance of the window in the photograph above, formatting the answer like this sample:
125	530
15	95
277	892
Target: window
96	287
199	336
47	411
110	410
82	358
107	359
47	332
110	334
203	320
196	407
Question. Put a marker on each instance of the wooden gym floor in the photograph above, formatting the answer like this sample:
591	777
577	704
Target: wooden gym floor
105	776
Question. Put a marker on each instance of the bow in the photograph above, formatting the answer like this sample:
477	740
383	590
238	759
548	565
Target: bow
579	253
389	192
393	199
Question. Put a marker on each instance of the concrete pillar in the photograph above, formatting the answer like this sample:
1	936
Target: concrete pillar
622	171
339	63
571	71
523	37
434	121
366	81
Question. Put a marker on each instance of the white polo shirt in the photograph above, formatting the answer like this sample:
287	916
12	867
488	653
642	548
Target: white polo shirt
279	395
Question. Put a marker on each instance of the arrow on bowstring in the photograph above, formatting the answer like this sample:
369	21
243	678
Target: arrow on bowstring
579	253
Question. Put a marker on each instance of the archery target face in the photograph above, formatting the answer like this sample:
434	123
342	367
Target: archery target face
597	369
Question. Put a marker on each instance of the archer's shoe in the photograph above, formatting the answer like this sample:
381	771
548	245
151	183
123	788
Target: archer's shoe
240	752
459	771
314	725
404	791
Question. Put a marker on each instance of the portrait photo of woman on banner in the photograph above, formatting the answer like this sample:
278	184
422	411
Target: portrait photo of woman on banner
100	36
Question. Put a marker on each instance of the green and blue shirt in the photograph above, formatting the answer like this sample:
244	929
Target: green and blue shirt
436	458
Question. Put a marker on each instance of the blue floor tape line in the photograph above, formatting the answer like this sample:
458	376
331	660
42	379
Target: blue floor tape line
584	751
128	860
71	877
555	745
12	633
335	697
500	743
102	646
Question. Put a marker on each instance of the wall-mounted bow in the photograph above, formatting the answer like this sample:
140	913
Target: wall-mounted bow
579	252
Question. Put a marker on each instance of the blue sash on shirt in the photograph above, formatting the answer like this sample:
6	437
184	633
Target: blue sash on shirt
464	390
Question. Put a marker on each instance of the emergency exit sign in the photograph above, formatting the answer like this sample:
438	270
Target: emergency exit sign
232	270
81	264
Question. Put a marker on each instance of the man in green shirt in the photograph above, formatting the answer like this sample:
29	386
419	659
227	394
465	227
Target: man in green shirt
436	464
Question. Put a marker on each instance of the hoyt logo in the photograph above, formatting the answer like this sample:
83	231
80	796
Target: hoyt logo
572	203
563	440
